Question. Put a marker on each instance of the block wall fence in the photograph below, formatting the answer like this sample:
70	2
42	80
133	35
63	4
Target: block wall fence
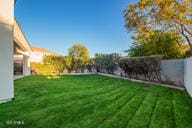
188	75
177	72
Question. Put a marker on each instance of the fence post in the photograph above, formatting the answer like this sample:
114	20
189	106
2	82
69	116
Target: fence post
188	75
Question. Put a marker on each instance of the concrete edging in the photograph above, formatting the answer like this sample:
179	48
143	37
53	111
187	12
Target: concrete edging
18	77
89	73
5	101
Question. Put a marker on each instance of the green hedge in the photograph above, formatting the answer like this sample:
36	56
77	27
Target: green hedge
146	67
106	63
43	69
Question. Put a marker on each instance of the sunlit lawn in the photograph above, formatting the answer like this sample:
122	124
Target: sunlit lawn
90	101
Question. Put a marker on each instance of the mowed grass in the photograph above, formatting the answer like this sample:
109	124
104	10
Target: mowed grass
93	101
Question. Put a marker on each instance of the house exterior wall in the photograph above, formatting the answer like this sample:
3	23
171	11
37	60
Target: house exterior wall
26	65
6	50
22	64
38	56
18	64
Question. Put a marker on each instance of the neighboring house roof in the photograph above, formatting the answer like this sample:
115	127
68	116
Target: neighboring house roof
35	49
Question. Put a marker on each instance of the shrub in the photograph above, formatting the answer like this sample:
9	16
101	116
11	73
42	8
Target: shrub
68	61
56	61
91	65
142	67
43	69
77	60
106	62
77	64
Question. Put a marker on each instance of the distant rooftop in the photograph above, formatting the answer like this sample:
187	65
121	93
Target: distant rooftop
44	51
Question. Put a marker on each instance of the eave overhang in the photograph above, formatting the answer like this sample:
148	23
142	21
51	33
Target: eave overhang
20	39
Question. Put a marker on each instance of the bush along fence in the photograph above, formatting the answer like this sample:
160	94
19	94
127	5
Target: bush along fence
59	65
148	68
106	63
175	72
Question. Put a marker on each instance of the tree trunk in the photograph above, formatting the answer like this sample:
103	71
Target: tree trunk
182	31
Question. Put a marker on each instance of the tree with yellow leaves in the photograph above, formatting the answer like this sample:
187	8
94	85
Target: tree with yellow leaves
173	16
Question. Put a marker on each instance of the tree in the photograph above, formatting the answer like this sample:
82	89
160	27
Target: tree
79	57
164	15
158	43
79	50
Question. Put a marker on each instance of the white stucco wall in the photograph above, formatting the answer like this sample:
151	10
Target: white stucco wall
37	56
25	60
26	65
6	49
7	12
188	75
18	57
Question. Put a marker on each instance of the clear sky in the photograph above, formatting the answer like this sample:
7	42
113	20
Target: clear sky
57	24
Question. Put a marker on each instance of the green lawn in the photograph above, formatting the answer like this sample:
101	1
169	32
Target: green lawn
90	101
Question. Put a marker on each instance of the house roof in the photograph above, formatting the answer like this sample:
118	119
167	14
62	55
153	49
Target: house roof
44	51
19	37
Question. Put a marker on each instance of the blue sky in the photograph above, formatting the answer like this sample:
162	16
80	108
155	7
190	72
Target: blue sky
58	24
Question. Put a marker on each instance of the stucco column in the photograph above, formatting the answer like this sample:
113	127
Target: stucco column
6	50
26	65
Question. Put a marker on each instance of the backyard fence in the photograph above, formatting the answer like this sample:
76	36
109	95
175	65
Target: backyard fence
188	75
171	72
176	72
